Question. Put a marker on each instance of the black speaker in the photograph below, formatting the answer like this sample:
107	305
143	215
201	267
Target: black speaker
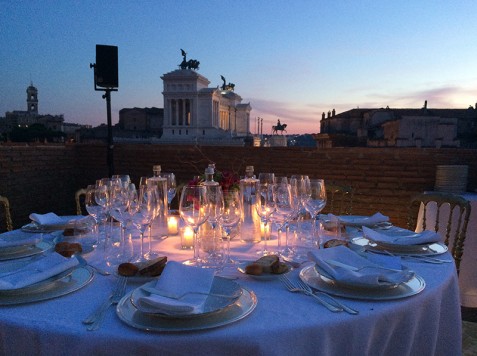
106	68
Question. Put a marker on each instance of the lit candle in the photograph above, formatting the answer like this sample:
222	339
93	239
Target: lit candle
265	230
187	237
172	225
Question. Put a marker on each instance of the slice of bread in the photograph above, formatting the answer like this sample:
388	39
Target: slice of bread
268	263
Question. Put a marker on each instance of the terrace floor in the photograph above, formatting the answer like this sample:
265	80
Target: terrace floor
469	331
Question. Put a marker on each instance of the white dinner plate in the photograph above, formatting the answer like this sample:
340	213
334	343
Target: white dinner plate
311	277
56	286
26	251
213	304
432	249
358	221
130	315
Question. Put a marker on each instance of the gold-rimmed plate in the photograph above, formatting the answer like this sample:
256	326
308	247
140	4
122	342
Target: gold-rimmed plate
26	251
430	249
56	286
223	293
315	280
130	315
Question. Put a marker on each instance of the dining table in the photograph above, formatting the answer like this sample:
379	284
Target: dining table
277	322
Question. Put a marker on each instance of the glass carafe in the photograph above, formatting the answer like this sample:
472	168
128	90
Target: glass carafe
250	224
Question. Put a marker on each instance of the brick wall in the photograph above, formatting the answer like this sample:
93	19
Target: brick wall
44	178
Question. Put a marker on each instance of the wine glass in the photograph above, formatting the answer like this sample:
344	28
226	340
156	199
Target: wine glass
122	179
142	213
285	206
265	208
171	186
266	178
315	201
230	215
95	210
210	236
193	208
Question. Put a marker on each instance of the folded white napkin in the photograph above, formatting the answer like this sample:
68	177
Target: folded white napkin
19	238
364	220
176	280
371	276
36	271
401	237
46	219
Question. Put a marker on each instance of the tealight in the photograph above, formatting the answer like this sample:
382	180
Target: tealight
172	225
187	238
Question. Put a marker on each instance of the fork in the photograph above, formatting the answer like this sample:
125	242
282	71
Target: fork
347	309
95	320
295	289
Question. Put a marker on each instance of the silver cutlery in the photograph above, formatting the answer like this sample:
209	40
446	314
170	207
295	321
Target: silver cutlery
295	289
347	309
422	258
95	320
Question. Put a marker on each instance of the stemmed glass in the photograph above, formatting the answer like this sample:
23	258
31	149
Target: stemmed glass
315	201
285	206
229	217
142	213
171	186
194	210
95	210
266	178
265	208
211	237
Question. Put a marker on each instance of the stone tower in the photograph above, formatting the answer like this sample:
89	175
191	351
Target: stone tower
32	99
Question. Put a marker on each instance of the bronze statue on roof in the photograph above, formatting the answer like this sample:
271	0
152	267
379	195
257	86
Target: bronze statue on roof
230	86
279	127
188	64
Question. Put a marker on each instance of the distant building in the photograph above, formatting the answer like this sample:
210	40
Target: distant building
142	120
195	113
399	128
19	118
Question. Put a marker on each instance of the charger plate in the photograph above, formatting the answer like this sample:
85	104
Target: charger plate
213	304
56	286
311	277
130	315
25	251
431	249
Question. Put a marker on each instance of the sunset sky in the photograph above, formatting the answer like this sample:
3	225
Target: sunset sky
291	60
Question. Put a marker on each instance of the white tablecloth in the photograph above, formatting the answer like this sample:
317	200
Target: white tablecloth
468	265
282	324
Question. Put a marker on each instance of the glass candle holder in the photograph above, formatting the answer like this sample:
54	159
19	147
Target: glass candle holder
173	224
187	238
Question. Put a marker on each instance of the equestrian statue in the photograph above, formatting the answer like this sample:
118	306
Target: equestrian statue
279	127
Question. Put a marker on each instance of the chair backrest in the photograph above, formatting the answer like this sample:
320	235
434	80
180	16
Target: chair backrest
79	198
7	215
339	199
452	228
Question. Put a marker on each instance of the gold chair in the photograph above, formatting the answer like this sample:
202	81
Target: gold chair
8	217
79	198
339	199
455	224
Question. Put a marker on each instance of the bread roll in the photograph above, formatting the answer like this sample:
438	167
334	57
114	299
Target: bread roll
254	269
334	243
127	269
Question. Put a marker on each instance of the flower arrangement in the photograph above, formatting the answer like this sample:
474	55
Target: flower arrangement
226	179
